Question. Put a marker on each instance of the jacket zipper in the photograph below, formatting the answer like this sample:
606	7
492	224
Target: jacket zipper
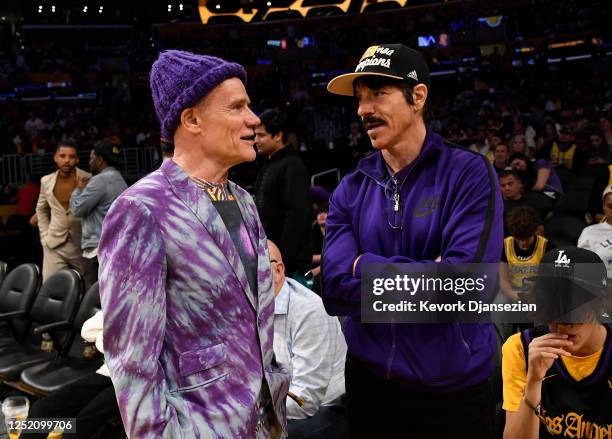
396	243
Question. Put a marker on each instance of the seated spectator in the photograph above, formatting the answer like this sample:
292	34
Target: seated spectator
518	145
480	145
556	380
523	251
512	189
312	344
501	157
540	176
596	152
91	400
598	237
565	152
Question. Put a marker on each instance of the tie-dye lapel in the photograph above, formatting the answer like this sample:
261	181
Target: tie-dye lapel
201	205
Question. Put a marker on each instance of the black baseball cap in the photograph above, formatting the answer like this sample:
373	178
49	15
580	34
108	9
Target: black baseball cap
110	152
569	281
388	60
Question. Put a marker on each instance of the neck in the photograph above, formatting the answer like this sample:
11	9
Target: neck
202	167
275	151
65	175
407	149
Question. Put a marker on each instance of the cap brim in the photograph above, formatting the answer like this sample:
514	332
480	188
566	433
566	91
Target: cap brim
343	84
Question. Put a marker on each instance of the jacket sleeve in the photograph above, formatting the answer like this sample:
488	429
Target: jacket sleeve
132	290
82	202
340	290
296	200
43	212
312	351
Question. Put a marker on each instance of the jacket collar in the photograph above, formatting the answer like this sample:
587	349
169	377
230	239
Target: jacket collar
282	153
202	206
374	165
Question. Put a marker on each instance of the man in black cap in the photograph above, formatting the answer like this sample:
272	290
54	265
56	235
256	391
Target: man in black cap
558	378
417	199
93	197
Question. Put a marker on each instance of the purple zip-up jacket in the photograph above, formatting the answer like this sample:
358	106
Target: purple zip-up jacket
187	343
452	208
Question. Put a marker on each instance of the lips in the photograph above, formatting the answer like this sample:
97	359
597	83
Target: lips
250	138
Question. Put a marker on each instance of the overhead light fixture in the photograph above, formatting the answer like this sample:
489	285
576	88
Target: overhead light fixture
218	7
84	9
53	8
169	8
269	3
181	6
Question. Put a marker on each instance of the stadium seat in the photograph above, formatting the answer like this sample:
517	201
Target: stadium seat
17	294
564	230
3	270
580	183
564	175
50	376
574	203
53	311
543	204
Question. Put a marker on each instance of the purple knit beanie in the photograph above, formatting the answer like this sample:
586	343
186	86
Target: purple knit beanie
180	79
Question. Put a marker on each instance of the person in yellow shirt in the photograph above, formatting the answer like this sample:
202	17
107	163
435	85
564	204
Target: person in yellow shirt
557	378
523	251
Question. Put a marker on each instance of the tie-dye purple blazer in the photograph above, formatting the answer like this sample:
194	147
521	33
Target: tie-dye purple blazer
186	341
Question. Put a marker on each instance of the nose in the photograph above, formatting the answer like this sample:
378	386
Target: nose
252	119
364	109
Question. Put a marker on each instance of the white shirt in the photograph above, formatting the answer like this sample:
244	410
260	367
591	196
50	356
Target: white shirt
311	344
92	332
598	239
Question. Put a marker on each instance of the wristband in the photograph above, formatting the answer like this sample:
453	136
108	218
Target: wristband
537	409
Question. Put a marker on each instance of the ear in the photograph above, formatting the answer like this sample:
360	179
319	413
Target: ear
278	137
190	120
419	94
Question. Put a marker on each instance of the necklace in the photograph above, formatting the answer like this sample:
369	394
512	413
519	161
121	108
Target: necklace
216	191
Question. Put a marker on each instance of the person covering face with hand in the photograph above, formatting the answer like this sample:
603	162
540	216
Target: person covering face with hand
558	376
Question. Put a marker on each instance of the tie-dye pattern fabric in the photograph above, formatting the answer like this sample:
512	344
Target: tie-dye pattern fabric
187	342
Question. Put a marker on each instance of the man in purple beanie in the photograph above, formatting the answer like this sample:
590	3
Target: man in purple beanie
185	278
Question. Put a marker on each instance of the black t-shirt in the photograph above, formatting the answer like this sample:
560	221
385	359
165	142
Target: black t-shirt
232	217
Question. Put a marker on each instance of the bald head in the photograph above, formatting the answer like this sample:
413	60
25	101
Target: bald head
278	268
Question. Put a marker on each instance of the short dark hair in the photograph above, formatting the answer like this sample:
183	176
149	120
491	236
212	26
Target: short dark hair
523	222
378	82
166	146
66	145
275	121
509	173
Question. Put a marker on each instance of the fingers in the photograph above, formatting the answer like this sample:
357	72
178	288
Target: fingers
549	350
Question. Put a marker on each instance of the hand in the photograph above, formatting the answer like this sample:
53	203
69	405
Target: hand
543	351
82	182
438	259
34	220
316	271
